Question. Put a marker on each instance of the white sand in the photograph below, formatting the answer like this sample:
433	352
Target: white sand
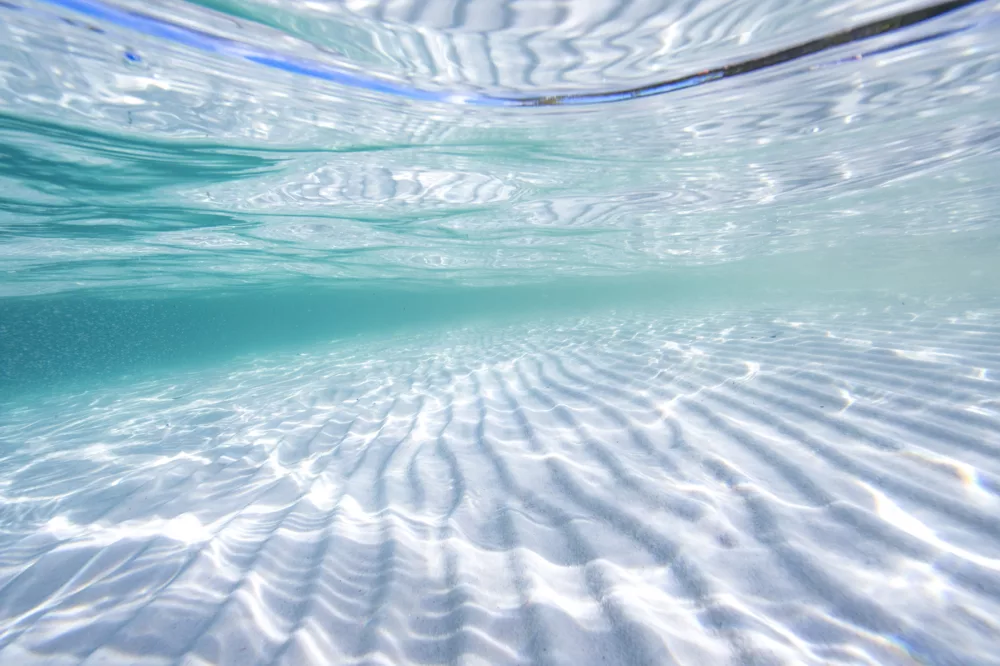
807	488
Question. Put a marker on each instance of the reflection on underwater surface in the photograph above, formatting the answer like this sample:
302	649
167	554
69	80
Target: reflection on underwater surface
190	170
312	354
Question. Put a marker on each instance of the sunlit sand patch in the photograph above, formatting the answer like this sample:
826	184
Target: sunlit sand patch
615	485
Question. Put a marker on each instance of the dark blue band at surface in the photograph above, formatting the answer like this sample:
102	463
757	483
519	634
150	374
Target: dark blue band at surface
164	29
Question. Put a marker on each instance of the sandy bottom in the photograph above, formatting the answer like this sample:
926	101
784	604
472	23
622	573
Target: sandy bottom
767	488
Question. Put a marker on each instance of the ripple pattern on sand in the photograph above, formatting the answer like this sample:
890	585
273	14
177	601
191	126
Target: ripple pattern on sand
766	488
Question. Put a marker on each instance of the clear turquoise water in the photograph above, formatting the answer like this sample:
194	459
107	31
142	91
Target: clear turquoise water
166	194
290	289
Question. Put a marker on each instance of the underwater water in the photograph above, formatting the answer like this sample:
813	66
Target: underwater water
499	332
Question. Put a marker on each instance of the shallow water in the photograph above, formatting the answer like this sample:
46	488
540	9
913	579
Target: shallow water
499	332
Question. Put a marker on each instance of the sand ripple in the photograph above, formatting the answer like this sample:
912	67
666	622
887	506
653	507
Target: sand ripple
765	488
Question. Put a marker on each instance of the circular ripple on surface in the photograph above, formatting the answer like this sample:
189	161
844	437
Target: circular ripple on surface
767	488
